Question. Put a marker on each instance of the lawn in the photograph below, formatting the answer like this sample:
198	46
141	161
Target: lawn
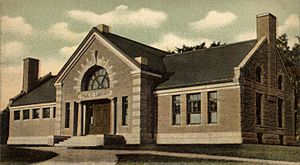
256	151
268	152
17	154
13	154
124	159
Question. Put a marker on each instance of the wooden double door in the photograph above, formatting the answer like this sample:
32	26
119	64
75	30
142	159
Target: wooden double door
99	118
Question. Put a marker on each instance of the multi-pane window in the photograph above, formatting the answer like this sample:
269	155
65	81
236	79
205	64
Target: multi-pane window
26	114
46	112
36	113
54	112
67	115
98	80
212	107
176	108
279	82
258	74
258	108
194	108
124	110
279	111
16	115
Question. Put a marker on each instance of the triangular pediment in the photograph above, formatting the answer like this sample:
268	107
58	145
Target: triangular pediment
93	35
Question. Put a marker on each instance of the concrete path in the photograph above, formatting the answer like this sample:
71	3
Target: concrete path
104	156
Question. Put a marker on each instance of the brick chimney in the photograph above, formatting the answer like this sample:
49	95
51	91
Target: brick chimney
103	28
30	73
266	27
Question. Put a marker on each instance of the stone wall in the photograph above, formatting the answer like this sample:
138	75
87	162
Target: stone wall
32	127
227	129
270	62
120	82
148	108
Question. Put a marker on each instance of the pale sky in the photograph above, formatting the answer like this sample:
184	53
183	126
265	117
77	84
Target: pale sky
50	30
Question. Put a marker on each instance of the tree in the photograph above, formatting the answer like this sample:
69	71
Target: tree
296	52
291	60
214	44
202	45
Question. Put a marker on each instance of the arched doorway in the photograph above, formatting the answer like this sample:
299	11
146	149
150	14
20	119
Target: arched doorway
97	112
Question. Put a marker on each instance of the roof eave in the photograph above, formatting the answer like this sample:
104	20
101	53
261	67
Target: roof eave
195	84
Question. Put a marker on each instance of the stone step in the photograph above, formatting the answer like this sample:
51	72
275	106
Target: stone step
90	140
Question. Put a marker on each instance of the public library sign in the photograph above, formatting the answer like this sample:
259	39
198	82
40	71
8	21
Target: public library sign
97	94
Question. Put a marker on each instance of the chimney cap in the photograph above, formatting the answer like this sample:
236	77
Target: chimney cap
141	60
30	58
103	28
265	14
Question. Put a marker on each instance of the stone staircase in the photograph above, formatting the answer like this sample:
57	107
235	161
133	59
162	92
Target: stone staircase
91	141
82	141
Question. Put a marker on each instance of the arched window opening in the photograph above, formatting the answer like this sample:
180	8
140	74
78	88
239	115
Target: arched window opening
95	78
258	74
279	82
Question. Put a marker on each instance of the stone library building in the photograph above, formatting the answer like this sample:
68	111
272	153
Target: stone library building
115	90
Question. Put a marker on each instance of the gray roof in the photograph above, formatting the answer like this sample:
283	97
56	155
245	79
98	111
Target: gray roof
205	66
45	92
135	49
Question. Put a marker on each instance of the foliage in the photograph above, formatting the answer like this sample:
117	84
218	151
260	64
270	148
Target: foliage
290	57
202	45
214	44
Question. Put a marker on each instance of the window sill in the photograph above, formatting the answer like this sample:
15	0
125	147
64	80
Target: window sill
196	124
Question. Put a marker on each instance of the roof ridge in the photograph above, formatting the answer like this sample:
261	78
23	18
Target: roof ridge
215	47
137	42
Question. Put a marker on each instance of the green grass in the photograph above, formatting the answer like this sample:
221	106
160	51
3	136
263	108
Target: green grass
16	155
256	151
124	159
268	152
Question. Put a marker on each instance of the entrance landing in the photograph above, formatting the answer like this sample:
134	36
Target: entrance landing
79	141
92	141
